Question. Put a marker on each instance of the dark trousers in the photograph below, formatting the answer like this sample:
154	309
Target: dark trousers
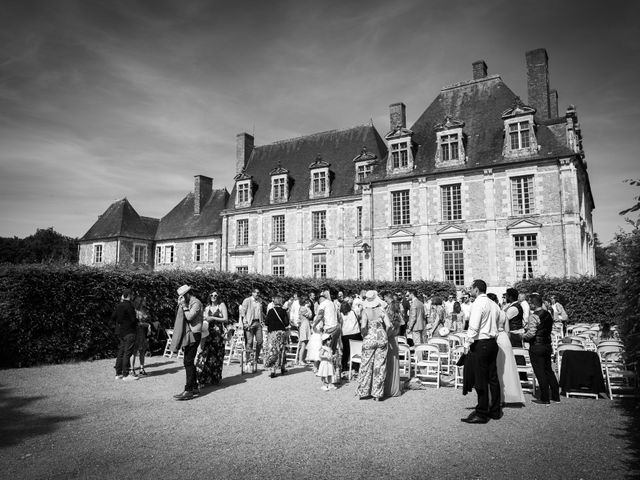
125	351
485	354
346	350
189	363
540	355
250	334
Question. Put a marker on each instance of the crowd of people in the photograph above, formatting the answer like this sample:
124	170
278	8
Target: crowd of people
325	329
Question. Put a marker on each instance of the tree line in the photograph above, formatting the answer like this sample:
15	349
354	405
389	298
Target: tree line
44	246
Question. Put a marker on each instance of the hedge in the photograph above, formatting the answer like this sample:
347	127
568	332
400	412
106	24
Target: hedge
59	313
586	299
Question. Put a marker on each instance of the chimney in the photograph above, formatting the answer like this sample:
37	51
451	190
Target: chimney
202	191
553	103
538	82
244	147
479	70
397	116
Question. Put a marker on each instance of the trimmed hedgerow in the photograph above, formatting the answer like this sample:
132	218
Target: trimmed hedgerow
585	299
58	313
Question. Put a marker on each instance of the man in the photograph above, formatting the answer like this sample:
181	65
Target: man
515	316
482	333
538	334
338	301
526	310
448	305
192	310
416	319
465	308
252	319
357	303
327	311
124	317
314	304
294	311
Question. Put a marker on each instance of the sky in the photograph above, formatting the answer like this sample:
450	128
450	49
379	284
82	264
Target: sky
101	100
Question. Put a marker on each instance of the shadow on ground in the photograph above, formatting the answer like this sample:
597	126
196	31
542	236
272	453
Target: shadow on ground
16	424
630	409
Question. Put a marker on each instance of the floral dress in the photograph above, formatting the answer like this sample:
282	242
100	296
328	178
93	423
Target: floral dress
209	362
373	368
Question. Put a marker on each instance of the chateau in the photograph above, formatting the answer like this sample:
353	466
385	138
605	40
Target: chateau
482	185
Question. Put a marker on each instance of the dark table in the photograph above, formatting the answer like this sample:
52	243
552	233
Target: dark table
581	373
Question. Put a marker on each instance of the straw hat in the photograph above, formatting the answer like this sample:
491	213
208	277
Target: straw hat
371	299
183	289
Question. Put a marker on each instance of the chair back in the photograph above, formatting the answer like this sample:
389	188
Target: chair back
355	348
432	352
402	340
616	343
441	343
404	357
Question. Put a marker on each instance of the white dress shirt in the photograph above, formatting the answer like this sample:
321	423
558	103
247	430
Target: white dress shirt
483	322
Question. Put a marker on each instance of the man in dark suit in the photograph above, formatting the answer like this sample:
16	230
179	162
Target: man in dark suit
124	317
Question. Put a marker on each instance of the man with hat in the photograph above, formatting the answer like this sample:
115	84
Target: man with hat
190	310
252	319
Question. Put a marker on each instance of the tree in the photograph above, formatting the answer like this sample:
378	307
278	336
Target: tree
46	245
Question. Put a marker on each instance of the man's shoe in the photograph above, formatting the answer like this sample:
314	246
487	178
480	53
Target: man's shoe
474	418
129	378
178	395
541	402
555	401
186	395
142	372
119	377
496	416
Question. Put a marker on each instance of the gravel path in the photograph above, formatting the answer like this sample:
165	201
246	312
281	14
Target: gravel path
76	421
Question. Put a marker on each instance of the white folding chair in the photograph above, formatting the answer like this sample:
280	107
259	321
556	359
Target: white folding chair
291	348
525	370
426	364
167	347
456	353
236	346
355	354
402	340
454	341
563	348
404	355
622	381
445	353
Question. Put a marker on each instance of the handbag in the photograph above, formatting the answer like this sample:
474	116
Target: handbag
443	331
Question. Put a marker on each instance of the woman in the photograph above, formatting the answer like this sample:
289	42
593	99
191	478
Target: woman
437	317
211	351
506	362
305	315
277	323
373	325
142	333
350	331
392	379
457	318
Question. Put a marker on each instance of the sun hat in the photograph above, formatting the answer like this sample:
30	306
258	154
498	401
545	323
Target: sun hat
183	289
325	336
371	299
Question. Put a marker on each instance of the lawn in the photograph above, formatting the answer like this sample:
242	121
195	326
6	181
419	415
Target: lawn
76	421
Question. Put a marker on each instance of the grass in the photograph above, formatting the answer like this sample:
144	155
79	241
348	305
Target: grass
76	421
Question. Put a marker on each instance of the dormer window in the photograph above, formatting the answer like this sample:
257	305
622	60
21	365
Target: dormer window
400	155
400	144
364	166
243	190
320	182
450	138
520	139
279	185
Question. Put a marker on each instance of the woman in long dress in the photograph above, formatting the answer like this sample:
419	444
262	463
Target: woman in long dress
373	324
392	379
277	324
506	363
211	351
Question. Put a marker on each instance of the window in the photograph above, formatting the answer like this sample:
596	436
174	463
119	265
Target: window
279	190
401	261
449	147
164	254
243	192
158	254
319	183
277	265
319	225
522	201
526	249
242	269
140	253
451	203
400	154
362	171
360	273
358	221
198	252
243	232
319	265
400	208
278	229
453	261
97	253
519	135
210	251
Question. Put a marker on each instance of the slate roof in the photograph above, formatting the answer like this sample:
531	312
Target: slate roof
181	222
336	147
121	220
479	104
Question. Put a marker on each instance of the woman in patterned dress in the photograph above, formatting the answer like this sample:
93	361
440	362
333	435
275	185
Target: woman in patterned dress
277	323
211	351
374	323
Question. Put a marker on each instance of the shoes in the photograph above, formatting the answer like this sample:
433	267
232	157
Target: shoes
365	398
186	395
119	377
541	402
496	416
325	388
378	399
283	371
332	387
129	378
178	395
474	418
142	372
272	375
555	401
196	392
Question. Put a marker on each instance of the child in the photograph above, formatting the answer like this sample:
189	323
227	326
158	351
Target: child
325	371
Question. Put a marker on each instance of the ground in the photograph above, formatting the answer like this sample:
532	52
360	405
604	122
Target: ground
77	421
